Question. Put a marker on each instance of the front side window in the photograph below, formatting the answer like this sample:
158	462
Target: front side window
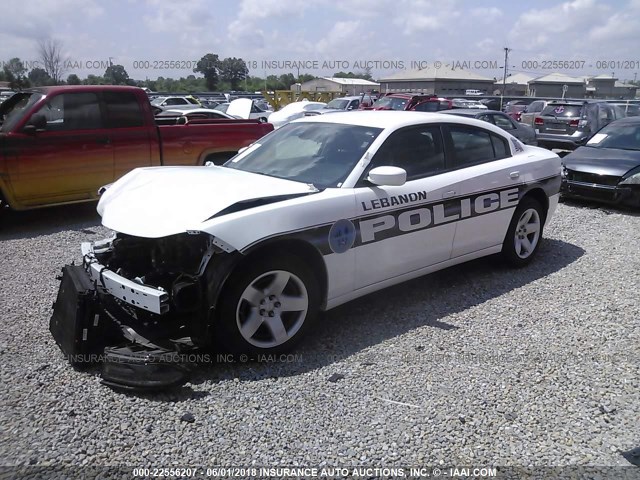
72	111
417	150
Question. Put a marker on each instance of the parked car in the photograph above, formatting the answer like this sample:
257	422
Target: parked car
292	111
467	103
568	124
514	108
529	113
322	211
61	144
187	101
247	108
434	104
399	101
343	104
524	133
607	168
193	114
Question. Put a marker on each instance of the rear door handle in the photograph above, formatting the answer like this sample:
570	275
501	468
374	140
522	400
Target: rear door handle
448	194
514	175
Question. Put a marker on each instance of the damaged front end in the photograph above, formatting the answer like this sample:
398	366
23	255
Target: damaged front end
136	305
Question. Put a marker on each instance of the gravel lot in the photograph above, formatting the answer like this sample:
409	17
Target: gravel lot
477	365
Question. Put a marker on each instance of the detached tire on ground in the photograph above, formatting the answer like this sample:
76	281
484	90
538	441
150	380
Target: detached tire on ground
524	235
266	306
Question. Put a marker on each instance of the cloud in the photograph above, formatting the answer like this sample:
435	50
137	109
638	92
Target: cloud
487	14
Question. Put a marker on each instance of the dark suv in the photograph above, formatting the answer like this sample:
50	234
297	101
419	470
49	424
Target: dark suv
568	124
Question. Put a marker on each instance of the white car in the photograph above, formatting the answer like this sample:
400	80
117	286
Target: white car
293	111
247	109
320	212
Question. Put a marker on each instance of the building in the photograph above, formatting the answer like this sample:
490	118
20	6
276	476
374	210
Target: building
607	86
446	81
346	86
557	85
516	85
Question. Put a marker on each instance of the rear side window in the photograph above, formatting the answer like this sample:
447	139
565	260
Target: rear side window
560	110
123	110
472	146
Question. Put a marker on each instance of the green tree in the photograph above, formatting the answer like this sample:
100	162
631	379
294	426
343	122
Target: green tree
209	66
93	80
39	77
305	77
73	79
116	75
14	73
233	70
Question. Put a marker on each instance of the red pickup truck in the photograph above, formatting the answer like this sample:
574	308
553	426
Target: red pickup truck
61	144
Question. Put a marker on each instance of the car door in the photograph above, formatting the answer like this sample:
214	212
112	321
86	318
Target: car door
488	187
132	140
405	228
69	159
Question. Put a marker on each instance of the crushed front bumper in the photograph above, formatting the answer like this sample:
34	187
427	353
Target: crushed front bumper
152	299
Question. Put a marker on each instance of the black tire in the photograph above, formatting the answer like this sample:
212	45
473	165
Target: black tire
268	307
521	242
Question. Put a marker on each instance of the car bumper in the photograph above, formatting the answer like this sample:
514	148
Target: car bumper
152	299
564	142
615	195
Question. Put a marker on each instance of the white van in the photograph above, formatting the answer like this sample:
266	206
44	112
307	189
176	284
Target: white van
472	92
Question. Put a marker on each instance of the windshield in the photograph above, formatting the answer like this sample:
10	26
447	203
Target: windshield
322	154
338	103
624	137
12	110
393	103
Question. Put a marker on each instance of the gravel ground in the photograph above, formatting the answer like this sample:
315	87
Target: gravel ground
475	365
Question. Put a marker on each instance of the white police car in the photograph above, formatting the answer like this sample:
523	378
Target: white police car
322	211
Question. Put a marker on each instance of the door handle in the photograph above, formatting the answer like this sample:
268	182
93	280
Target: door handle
514	175
448	194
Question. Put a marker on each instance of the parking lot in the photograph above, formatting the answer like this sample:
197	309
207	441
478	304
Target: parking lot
478	364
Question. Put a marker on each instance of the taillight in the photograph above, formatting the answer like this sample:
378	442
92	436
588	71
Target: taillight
574	123
538	121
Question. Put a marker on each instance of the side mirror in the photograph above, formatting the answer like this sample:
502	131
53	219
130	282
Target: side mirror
388	176
38	122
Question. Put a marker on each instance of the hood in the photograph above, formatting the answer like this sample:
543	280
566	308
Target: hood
603	161
240	107
159	201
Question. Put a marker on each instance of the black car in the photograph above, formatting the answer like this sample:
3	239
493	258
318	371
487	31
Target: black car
524	133
568	124
607	168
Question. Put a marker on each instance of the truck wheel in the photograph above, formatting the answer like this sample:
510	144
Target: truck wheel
524	234
266	306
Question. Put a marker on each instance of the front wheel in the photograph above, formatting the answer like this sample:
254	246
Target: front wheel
267	306
524	234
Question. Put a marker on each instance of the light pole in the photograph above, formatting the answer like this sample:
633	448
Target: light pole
504	76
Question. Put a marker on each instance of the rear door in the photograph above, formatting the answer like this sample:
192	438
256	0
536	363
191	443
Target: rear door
67	161
132	139
488	188
405	228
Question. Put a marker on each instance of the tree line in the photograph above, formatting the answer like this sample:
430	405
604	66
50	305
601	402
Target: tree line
217	74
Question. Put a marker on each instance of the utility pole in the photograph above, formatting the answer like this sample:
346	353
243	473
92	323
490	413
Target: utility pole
504	77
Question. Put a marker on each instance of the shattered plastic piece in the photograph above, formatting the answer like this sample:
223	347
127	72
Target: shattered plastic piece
188	417
335	377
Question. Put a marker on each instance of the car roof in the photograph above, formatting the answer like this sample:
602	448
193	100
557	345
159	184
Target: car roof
393	119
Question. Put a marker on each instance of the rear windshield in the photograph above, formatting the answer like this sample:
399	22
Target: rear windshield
559	110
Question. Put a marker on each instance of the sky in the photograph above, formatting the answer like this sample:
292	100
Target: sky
590	37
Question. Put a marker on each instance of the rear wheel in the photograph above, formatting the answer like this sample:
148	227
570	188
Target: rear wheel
267	306
524	234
